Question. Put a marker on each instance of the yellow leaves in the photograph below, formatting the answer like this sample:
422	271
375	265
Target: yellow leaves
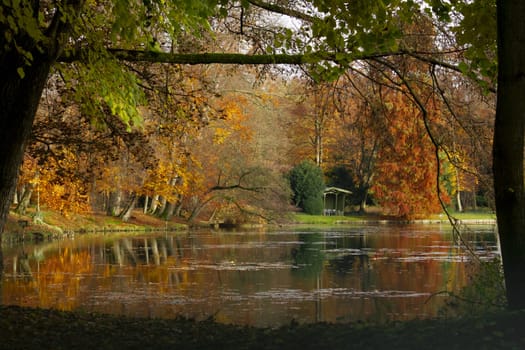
232	111
171	179
220	135
55	185
233	120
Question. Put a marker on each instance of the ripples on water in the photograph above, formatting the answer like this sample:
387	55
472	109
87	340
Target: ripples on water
259	278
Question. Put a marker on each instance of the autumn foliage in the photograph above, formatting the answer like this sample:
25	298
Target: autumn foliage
215	144
407	167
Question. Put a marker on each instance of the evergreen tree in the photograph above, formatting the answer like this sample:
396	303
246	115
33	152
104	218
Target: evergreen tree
307	183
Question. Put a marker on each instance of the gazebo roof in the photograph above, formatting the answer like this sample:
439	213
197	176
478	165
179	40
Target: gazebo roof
334	190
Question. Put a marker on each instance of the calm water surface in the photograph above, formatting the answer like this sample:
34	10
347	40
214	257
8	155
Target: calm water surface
262	278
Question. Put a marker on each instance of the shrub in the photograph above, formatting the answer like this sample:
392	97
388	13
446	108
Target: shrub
307	184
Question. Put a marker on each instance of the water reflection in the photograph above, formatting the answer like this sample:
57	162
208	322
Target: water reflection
259	278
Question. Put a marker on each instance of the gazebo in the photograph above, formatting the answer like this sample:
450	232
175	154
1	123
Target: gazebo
334	200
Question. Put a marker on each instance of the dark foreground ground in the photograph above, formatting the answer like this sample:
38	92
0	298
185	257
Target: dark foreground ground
22	328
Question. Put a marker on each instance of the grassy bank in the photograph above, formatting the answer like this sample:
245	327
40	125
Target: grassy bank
55	225
305	219
22	328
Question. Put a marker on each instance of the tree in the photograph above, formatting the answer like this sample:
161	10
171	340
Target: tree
307	183
36	33
93	36
406	169
26	57
236	162
314	119
508	148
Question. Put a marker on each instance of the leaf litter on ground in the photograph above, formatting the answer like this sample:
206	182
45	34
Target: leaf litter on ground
29	328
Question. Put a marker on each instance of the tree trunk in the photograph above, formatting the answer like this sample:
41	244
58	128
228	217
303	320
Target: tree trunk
21	86
362	203
154	204
458	193
194	213
125	214
197	208
24	201
178	209
459	204
114	201
508	147
162	205
169	209
146	204
19	98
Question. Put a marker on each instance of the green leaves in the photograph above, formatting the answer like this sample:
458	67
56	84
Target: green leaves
475	32
20	31
21	72
441	9
351	30
107	89
307	183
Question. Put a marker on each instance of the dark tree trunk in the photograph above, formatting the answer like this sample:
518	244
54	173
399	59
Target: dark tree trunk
21	85
508	147
178	209
362	203
19	98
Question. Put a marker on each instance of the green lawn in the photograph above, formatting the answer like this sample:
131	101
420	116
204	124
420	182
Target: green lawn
307	219
323	220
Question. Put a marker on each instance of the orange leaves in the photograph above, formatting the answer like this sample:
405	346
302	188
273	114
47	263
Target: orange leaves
406	171
56	185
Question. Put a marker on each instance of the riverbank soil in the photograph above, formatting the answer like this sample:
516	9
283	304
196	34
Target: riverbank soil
23	328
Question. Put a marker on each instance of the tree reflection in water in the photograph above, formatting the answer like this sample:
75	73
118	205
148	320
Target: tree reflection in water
260	278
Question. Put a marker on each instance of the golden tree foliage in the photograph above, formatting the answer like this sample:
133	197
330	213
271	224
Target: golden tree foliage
56	183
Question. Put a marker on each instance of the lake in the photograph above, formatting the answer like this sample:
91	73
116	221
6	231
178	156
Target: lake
249	277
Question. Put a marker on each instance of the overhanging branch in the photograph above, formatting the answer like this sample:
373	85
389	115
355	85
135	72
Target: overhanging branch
244	59
196	58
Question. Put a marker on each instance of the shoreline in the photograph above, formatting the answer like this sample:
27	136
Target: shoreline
421	221
21	228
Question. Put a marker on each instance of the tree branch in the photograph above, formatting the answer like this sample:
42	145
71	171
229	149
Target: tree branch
237	186
244	59
282	10
194	59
